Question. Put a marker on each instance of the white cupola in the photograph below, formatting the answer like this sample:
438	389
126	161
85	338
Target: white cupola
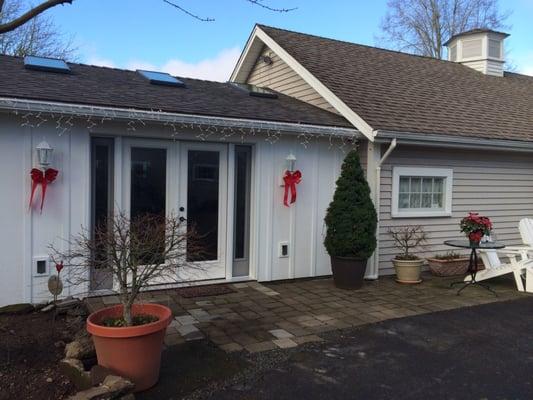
480	49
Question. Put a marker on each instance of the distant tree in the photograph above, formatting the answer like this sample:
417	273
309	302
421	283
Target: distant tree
37	35
422	26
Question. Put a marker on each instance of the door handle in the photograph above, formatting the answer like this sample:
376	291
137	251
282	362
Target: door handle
182	209
182	219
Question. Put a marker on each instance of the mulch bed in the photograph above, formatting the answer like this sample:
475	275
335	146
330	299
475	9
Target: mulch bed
31	345
204	291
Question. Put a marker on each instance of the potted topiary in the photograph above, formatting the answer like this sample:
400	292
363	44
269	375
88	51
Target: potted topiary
449	264
408	266
137	252
351	225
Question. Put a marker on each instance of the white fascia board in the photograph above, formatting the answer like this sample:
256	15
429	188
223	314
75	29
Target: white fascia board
307	76
240	73
454	141
85	111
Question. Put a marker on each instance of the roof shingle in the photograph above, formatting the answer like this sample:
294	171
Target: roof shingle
406	93
101	86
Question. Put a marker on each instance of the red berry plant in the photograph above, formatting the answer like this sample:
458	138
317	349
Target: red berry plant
475	226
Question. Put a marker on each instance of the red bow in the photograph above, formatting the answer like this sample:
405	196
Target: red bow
291	179
43	178
59	267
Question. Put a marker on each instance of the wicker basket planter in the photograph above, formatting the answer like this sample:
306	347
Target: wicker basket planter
448	267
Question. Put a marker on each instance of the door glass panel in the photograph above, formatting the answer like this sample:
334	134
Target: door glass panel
242	210
102	208
148	187
202	201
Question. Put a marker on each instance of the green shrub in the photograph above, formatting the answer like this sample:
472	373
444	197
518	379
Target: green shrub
351	217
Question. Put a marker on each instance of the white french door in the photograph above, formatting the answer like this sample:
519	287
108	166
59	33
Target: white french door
185	179
203	202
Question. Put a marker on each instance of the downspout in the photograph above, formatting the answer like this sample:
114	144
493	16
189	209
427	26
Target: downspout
377	194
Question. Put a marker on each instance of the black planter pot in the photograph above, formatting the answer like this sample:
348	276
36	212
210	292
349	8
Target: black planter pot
348	272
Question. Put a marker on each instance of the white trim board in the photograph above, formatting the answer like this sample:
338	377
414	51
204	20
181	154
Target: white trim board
331	98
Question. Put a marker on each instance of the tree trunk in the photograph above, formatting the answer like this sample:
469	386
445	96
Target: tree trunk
126	314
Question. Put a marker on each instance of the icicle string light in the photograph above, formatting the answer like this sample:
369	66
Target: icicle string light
35	114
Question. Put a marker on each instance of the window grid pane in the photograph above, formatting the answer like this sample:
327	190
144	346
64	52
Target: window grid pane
417	192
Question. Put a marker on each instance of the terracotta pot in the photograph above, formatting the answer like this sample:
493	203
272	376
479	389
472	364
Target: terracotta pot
133	352
408	271
348	272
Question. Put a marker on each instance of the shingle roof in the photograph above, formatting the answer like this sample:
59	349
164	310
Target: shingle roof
406	93
111	87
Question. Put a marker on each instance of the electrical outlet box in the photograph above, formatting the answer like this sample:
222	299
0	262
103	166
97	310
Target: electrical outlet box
283	249
41	266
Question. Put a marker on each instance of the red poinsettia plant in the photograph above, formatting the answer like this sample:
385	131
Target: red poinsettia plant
475	226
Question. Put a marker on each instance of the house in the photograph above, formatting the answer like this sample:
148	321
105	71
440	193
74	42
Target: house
437	139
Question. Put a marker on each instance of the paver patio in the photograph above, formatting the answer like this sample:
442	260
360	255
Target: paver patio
259	317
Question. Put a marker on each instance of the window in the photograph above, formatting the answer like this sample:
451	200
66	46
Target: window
421	192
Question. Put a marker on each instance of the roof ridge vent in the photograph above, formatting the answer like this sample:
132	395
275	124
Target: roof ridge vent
255	91
47	64
160	78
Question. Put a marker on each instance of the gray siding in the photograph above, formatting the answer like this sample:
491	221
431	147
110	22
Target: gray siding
496	184
282	78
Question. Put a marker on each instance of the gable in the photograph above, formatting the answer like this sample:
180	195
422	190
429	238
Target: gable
282	78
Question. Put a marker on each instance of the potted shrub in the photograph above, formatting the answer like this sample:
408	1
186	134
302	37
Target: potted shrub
351	225
144	250
408	266
448	264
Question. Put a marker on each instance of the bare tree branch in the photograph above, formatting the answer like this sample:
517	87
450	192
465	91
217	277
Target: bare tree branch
190	14
30	14
40	36
267	7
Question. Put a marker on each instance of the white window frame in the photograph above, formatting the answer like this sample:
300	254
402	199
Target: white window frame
445	173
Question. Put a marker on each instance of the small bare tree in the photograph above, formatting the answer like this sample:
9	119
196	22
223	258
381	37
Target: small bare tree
423	26
137	252
406	239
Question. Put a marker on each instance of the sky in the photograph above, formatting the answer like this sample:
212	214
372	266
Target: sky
149	34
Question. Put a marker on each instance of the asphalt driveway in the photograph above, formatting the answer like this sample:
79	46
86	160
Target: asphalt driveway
482	352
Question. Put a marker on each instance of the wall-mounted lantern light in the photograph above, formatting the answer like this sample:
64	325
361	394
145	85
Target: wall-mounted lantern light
291	162
44	153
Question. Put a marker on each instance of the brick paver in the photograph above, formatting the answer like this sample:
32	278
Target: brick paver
260	317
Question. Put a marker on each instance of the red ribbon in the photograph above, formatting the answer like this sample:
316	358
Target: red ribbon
43	178
291	179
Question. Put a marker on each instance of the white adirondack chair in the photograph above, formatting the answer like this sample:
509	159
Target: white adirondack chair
525	227
494	266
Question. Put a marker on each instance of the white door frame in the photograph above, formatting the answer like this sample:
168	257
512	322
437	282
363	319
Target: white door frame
215	269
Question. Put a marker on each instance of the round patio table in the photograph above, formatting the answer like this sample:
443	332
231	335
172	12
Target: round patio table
472	263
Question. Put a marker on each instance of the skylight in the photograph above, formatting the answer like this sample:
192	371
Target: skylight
161	78
46	64
256	91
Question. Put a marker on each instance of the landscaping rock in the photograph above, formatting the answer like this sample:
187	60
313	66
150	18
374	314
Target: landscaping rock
20	308
113	387
118	384
81	348
48	308
98	374
75	372
69	302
